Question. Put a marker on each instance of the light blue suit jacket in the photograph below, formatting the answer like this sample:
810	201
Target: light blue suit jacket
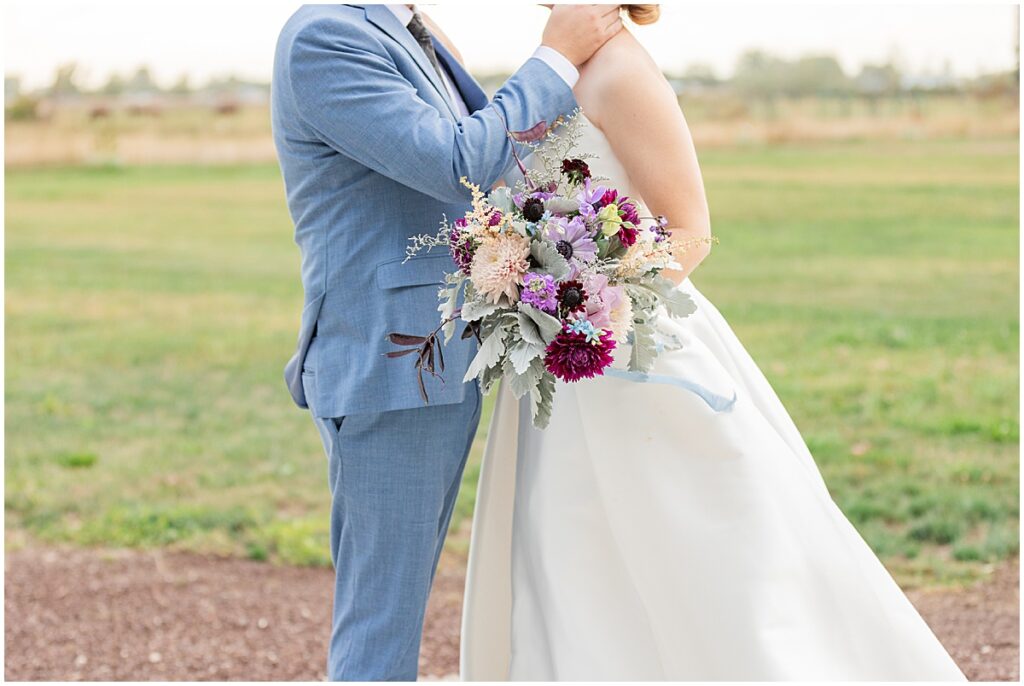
372	151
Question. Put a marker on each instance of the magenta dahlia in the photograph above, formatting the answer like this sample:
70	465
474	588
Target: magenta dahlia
462	246
571	356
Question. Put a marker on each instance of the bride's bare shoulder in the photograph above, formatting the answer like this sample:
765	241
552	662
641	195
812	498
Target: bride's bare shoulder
622	63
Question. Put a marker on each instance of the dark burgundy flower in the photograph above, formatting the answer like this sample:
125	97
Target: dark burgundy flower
533	209
571	357
627	235
576	170
571	297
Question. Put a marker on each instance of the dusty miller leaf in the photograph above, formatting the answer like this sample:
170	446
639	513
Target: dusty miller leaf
548	258
560	205
489	354
501	198
478	308
644	350
522	354
522	383
676	302
449	296
542	397
536	326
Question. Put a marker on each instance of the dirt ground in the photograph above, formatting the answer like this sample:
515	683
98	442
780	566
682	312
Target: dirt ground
74	614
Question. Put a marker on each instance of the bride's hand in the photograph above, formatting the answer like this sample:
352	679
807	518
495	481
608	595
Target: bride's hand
578	31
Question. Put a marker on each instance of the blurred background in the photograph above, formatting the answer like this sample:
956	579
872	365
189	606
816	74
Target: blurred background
166	504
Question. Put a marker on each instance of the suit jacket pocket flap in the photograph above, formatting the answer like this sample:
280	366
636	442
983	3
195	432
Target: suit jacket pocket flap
419	271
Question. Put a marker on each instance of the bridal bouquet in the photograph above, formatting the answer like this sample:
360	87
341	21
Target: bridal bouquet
552	275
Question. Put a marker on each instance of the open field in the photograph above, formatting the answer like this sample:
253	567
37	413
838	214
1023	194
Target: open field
149	311
183	135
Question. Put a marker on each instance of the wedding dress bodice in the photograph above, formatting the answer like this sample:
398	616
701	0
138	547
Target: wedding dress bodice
604	162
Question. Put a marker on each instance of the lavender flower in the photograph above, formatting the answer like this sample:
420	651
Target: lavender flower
540	291
572	239
589	198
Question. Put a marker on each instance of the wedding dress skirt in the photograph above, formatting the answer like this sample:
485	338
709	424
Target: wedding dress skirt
675	527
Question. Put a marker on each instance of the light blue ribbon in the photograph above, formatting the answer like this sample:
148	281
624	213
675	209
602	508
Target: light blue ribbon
718	403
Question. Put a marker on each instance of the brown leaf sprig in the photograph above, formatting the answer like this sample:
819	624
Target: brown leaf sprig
429	351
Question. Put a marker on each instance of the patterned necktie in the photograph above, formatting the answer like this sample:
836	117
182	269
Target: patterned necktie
422	36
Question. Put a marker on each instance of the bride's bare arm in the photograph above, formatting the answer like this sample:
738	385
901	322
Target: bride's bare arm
624	93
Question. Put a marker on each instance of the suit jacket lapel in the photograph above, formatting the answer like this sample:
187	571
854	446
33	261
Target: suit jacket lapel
470	90
381	17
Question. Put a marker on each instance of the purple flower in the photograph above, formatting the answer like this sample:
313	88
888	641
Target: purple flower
462	247
628	209
627	235
572	239
588	197
660	230
609	197
575	355
540	291
495	218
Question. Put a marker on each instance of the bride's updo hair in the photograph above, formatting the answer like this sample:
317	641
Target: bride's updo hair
642	14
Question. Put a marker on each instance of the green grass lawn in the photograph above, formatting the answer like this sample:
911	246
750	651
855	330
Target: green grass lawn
149	312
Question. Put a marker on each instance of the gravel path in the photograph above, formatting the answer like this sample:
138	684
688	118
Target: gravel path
75	614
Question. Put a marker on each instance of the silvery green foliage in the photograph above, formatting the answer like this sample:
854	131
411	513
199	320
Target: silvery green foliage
490	352
521	383
644	348
676	302
542	396
668	342
449	297
548	259
489	377
501	198
536	326
522	354
560	205
478	307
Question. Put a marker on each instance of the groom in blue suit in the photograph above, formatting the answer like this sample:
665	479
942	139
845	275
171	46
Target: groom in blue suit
375	122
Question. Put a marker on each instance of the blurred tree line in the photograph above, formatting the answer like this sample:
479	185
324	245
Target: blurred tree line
759	78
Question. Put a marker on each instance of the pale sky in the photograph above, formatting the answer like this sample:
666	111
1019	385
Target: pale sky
206	39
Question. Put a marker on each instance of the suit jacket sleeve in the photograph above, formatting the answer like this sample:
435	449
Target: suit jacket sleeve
348	90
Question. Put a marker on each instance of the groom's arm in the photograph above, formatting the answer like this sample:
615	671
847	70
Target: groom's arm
348	90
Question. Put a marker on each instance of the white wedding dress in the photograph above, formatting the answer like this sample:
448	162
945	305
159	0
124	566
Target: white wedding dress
675	528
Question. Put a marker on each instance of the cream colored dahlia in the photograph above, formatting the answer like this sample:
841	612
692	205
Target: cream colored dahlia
499	265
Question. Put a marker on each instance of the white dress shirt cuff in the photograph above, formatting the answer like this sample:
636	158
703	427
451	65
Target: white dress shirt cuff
559	63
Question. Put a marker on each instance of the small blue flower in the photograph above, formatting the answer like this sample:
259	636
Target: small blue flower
586	329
